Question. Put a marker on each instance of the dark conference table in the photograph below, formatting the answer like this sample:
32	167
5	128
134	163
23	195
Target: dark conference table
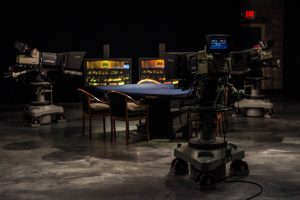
141	90
158	97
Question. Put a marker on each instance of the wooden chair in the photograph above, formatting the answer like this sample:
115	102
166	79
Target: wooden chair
91	106
125	108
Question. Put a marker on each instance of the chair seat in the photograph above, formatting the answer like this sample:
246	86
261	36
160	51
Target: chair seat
99	107
134	107
136	113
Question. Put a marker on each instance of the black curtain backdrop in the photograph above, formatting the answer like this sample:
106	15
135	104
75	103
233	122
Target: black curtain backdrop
291	53
131	30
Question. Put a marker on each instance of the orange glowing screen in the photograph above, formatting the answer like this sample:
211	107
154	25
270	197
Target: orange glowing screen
155	63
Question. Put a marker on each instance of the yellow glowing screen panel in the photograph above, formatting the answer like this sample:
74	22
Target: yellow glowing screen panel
107	72
105	64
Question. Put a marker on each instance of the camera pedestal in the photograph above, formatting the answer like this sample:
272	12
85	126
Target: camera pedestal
256	105
209	163
206	156
46	114
42	111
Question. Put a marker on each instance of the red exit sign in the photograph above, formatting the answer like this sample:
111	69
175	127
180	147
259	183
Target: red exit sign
248	14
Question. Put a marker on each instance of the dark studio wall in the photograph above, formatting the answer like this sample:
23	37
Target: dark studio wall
269	21
292	42
131	31
279	18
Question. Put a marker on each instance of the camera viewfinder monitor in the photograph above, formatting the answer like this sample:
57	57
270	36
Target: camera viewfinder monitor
177	65
152	68
73	62
68	62
112	71
217	43
240	62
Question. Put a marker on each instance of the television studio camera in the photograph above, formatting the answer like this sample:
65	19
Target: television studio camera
247	65
206	73
39	64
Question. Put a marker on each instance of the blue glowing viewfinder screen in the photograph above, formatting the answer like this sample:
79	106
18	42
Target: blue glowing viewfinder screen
219	44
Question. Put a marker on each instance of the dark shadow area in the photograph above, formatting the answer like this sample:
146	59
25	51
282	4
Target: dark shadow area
27	145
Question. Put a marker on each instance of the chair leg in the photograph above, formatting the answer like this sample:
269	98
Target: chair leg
189	124
219	122
83	124
196	128
127	132
104	131
115	131
147	125
225	122
90	118
111	129
219	133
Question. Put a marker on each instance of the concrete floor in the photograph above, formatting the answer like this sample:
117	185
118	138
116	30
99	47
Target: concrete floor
56	162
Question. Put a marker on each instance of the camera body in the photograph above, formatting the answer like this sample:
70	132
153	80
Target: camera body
214	59
32	59
40	110
205	72
42	62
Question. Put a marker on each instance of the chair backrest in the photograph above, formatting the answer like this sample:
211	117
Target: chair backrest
118	103
85	98
148	81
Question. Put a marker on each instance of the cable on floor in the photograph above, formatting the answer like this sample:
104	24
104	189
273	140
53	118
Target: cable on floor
250	182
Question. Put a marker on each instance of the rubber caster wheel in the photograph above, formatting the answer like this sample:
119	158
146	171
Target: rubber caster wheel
179	167
239	168
60	118
206	182
35	123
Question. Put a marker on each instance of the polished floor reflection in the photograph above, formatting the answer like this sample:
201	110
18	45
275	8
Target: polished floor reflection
55	162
